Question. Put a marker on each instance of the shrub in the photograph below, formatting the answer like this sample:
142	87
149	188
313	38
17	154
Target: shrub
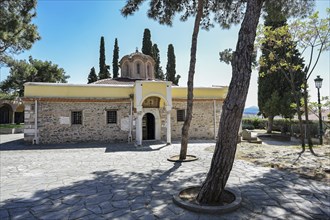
280	125
254	123
247	126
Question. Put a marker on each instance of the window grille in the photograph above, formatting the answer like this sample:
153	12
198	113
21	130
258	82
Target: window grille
76	117
180	115
112	117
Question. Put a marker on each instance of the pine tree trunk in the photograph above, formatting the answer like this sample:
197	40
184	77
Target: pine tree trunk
190	83
232	110
270	124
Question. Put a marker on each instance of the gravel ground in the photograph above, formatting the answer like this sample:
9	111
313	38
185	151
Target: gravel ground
287	157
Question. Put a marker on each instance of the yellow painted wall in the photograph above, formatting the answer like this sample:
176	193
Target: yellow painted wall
207	92
104	91
149	88
76	91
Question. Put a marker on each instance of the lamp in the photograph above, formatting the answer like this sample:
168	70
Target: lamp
318	82
318	85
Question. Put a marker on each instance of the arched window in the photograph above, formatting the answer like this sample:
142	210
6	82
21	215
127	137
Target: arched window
138	68
127	70
148	71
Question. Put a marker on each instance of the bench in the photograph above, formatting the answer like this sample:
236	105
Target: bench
247	136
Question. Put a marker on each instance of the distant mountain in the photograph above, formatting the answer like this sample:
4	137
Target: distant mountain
253	110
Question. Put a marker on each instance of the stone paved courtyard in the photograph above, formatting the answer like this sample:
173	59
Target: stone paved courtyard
120	181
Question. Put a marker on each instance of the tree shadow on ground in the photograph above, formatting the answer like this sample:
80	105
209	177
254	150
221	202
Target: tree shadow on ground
154	145
13	145
283	195
108	195
110	147
266	193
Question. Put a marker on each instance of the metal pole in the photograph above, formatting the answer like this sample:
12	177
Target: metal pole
320	116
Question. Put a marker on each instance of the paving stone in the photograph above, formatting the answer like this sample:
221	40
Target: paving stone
127	216
325	210
63	214
79	213
163	212
93	217
137	206
4	214
274	211
175	209
119	196
141	199
188	215
263	217
116	214
86	183
106	207
141	212
120	204
97	199
42	208
94	208
148	217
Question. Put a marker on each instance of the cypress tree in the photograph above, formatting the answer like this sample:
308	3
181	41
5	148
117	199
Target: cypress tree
104	73
146	42
92	77
170	67
115	59
158	69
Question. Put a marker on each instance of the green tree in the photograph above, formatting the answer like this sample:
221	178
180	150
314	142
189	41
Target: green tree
159	74
115	60
170	67
290	66
146	42
104	69
92	77
32	71
311	34
17	33
274	93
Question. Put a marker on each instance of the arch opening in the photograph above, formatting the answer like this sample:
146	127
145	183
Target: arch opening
6	113
148	127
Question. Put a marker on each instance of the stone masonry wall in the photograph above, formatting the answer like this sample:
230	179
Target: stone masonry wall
202	124
54	121
28	121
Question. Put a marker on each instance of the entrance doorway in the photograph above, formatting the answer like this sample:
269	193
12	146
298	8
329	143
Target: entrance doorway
148	127
6	113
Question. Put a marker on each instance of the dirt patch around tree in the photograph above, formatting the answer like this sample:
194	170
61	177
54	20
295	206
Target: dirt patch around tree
230	200
284	155
176	158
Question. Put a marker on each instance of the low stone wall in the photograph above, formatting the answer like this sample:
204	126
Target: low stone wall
11	130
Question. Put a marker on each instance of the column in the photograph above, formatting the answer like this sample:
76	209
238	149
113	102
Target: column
168	126
139	128
13	117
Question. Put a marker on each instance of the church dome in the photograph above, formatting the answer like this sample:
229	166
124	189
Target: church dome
137	66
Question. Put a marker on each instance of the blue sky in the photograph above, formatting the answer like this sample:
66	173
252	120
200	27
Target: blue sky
71	31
